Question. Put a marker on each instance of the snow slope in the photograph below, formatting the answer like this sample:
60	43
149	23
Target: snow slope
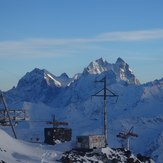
14	151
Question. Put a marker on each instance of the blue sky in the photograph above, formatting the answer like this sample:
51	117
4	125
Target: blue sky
66	35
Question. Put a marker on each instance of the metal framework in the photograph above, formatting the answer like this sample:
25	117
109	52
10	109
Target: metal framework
105	95
10	117
15	115
56	123
126	135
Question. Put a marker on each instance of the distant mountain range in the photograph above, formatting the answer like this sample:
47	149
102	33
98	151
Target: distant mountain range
139	105
41	85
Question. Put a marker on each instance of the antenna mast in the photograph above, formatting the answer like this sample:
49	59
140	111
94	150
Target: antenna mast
104	89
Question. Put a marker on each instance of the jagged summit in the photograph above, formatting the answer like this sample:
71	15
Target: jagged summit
119	70
40	84
122	64
120	61
101	61
96	67
124	72
64	79
64	75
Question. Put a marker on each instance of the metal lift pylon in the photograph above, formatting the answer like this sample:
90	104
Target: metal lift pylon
126	136
8	115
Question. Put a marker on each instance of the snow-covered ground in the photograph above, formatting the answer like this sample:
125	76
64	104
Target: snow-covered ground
17	151
14	151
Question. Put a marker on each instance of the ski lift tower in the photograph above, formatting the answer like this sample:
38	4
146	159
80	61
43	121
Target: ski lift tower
105	95
126	135
7	117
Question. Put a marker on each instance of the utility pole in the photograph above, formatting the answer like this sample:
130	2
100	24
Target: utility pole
105	95
8	115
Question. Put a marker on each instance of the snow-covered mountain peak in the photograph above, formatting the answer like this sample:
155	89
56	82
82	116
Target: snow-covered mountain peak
64	75
101	61
122	65
120	61
120	70
123	72
36	85
64	79
37	77
97	67
41	84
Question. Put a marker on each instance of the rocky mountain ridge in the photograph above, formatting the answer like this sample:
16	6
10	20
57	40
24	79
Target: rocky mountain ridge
39	85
